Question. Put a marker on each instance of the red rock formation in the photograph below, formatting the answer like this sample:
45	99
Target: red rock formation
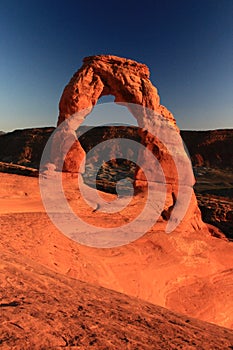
103	75
186	271
212	148
41	309
129	82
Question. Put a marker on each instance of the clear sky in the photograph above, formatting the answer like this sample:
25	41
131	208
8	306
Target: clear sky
187	44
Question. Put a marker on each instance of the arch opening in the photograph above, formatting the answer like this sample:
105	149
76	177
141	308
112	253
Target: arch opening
105	122
107	112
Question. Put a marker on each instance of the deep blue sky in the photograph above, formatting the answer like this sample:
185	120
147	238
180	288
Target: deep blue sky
187	44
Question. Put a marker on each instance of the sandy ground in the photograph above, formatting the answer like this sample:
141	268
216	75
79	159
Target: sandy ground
187	271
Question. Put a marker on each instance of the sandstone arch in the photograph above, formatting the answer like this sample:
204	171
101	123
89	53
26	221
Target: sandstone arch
129	82
102	75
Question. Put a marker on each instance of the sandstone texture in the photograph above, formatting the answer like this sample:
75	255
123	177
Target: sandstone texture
129	82
162	162
42	309
187	271
24	147
102	75
217	211
57	292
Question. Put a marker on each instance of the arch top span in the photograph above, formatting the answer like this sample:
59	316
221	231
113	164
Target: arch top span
127	80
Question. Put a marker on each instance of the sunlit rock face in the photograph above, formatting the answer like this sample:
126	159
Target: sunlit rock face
102	75
125	79
129	82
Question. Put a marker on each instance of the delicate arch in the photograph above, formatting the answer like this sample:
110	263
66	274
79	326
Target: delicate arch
125	79
129	82
102	75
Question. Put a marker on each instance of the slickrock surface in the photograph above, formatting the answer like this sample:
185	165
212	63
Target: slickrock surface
41	309
187	271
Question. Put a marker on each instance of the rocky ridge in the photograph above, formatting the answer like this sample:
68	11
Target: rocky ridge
211	148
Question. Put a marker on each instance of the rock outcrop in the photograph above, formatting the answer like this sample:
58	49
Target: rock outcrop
102	75
24	146
18	169
210	148
218	211
129	82
125	79
213	187
185	271
41	309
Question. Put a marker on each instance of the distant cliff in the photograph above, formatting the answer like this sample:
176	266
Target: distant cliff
210	151
212	148
206	148
24	147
